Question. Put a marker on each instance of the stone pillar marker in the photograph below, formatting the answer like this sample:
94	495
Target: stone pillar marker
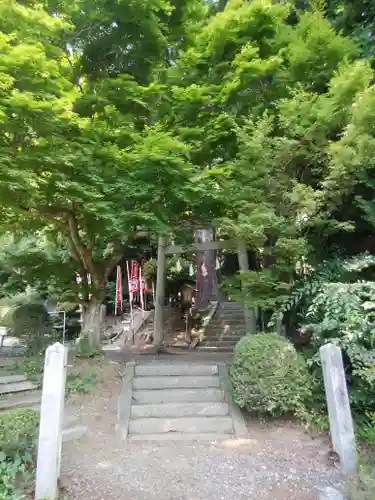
3	333
51	420
340	417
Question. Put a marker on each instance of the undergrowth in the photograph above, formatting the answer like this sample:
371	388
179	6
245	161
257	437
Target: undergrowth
79	381
18	435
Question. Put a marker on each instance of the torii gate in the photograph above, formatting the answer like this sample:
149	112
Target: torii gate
165	249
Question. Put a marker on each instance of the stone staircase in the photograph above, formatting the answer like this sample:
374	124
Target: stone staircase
17	392
225	329
146	331
178	401
221	335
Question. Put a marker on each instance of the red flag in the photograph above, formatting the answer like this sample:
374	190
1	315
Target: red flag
118	286
134	281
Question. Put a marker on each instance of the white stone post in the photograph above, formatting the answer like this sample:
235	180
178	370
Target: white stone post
3	333
340	417
51	419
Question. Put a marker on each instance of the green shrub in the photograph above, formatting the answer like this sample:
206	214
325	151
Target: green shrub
335	303
82	382
362	486
16	478
269	376
18	432
18	435
32	323
365	427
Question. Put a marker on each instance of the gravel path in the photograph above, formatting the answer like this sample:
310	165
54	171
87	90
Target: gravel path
276	462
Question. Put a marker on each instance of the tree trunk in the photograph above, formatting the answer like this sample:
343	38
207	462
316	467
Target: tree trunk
243	263
207	282
160	294
268	261
91	324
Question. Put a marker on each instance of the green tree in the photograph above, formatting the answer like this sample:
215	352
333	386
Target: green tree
355	18
260	100
81	155
40	262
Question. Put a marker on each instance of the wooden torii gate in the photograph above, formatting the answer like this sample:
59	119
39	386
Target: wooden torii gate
165	249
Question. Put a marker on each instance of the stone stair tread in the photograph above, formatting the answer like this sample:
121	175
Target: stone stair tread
17	387
171	382
218	342
73	433
20	401
205	348
177	395
10	379
230	327
232	337
181	436
215	340
179	410
230	303
159	369
223	425
178	413
230	315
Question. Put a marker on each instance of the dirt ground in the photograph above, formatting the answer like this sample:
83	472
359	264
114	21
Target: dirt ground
278	460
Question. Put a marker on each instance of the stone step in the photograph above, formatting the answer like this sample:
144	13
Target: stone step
222	324
235	317
181	436
179	410
177	396
171	382
17	387
158	369
187	425
204	348
73	433
230	313
231	330
235	311
224	327
223	338
10	379
230	305
218	343
21	401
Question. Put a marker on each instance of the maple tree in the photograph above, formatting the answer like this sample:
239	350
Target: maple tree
82	154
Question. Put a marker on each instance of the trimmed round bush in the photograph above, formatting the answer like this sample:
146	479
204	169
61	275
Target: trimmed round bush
18	432
32	323
269	376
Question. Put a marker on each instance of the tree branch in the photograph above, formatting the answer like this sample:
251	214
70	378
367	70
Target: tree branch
84	254
113	259
73	248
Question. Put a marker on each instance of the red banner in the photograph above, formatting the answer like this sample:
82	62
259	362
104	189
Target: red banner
118	286
134	279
